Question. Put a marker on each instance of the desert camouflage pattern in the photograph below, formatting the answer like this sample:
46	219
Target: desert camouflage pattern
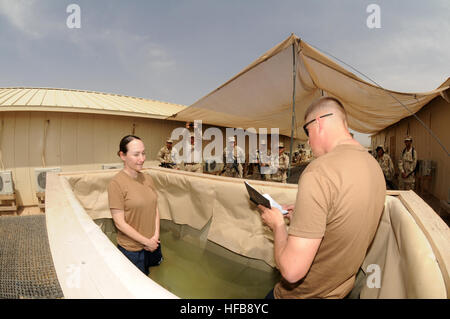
281	170
191	166
387	166
166	156
233	158
407	164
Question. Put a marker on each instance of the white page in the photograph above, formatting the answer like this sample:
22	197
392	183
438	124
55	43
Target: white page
273	203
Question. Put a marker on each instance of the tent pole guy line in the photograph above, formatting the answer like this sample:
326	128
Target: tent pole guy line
389	93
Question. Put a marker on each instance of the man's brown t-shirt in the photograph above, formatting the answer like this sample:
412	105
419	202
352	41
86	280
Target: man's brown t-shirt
138	199
340	199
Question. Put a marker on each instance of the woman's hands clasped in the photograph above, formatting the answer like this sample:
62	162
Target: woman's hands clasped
151	244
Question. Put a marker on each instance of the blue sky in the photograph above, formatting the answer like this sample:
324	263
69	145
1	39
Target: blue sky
179	51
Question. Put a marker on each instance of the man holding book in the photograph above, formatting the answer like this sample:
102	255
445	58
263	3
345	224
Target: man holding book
339	203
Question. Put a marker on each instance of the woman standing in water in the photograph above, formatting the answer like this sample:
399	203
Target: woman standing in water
133	203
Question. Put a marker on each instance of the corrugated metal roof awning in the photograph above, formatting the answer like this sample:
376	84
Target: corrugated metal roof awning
66	100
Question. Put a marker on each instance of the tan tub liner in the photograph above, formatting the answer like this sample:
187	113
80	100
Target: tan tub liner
403	251
193	199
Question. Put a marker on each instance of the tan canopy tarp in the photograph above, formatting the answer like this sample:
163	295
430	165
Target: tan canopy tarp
260	96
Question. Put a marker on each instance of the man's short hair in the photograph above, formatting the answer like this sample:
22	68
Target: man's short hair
324	102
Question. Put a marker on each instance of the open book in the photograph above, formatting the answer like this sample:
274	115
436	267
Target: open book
263	199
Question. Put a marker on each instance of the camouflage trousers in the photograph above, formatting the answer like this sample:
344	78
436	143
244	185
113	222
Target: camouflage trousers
230	171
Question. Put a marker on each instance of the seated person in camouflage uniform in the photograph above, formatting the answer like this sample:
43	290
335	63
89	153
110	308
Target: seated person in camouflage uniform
168	156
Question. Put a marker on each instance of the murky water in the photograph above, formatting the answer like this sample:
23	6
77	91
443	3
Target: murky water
196	268
192	271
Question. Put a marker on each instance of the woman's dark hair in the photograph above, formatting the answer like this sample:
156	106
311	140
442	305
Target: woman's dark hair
124	142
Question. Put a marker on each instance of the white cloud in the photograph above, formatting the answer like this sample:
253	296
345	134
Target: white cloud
19	14
157	58
28	17
135	53
410	52
412	60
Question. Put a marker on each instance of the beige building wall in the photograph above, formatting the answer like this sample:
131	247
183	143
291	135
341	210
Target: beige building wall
436	115
73	142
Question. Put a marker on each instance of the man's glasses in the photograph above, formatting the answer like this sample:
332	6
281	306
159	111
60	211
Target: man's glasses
306	124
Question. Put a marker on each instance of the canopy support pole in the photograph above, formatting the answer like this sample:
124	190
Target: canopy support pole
294	74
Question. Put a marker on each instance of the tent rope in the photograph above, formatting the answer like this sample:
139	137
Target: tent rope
389	93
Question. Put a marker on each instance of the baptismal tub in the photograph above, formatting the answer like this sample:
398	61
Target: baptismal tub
195	267
215	245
